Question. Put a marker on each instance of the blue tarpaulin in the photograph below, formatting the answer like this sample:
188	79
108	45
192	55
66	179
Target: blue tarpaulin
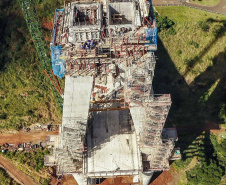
151	35
58	64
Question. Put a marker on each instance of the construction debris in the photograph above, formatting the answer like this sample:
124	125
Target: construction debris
113	123
29	146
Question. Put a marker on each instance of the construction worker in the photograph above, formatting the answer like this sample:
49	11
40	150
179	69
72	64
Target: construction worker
92	44
84	45
123	30
87	46
88	41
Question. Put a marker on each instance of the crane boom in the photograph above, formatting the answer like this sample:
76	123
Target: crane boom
34	27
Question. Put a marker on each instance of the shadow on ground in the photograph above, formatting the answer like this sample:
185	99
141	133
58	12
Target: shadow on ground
193	111
219	32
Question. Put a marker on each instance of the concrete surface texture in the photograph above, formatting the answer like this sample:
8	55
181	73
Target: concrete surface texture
77	98
87	26
125	9
138	115
117	153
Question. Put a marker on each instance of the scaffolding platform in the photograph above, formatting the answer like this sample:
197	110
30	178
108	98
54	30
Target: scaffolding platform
113	122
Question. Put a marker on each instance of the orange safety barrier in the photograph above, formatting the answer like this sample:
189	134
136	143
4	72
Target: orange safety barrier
52	82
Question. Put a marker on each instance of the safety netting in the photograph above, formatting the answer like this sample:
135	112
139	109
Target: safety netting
58	63
151	35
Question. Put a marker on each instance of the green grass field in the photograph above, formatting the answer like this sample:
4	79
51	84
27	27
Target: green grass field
191	67
206	2
187	28
194	74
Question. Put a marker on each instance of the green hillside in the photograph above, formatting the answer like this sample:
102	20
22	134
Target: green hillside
191	66
25	93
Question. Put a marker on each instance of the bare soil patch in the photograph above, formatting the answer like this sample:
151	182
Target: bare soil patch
23	137
164	178
68	180
125	180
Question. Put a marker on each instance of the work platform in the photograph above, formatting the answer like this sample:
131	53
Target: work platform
112	147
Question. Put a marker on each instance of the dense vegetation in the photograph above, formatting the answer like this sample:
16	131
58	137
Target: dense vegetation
165	24
25	93
211	166
29	162
5	179
191	68
34	159
204	173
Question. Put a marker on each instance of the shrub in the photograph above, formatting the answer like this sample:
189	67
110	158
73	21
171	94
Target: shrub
3	116
190	62
46	182
204	25
5	178
217	30
164	23
190	42
195	44
222	114
179	52
172	31
34	159
205	174
182	164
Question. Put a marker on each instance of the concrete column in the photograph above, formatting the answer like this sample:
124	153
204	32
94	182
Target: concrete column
80	178
147	178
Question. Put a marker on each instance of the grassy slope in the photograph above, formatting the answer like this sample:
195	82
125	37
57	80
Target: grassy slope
206	2
25	93
188	30
195	78
197	71
5	178
31	163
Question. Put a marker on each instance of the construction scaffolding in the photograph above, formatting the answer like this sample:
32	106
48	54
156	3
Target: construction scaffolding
111	114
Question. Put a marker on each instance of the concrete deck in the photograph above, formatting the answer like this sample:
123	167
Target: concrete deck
138	115
77	99
115	151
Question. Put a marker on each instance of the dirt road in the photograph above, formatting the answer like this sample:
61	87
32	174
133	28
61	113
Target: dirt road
12	170
220	7
23	137
165	2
